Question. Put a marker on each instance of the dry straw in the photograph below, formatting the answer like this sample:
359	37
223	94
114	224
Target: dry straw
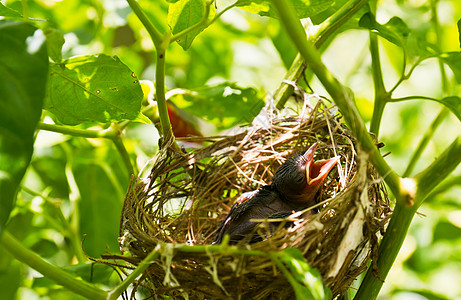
187	194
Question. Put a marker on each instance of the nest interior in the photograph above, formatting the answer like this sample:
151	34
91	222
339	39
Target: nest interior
186	196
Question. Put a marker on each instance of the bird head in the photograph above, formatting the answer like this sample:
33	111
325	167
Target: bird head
299	178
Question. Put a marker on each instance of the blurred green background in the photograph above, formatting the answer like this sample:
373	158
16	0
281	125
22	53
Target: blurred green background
76	186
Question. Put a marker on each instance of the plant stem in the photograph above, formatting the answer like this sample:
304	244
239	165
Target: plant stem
325	31
425	140
418	190
125	156
30	258
160	43
155	35
112	133
445	87
142	266
380	91
438	170
342	96
107	134
331	25
25	10
388	250
411	98
285	90
167	130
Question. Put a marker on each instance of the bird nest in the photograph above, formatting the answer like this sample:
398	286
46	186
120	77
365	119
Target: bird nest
187	195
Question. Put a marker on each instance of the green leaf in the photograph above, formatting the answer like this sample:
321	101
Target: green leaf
101	203
454	104
184	14
93	89
10	275
225	104
23	73
303	8
54	42
395	30
7	12
453	60
445	230
307	282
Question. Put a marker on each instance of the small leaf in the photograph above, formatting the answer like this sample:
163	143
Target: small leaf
184	14
303	8
395	30
225	104
23	73
54	41
93	89
453	60
454	104
308	281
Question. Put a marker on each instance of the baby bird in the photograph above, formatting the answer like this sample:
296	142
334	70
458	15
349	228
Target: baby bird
294	187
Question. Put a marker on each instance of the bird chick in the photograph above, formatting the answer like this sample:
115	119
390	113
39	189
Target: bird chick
294	187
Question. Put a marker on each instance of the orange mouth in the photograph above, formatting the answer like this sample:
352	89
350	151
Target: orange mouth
316	172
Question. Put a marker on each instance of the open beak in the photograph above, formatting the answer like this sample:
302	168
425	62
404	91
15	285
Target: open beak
316	172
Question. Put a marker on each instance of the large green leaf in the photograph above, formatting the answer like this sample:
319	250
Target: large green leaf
100	204
23	73
10	275
303	8
225	104
93	89
184	14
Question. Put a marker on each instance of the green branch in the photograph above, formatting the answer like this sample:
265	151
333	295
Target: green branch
61	277
438	170
325	31
112	133
331	25
143	265
167	130
381	95
417	191
341	95
388	250
155	35
86	133
161	42
125	156
425	140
